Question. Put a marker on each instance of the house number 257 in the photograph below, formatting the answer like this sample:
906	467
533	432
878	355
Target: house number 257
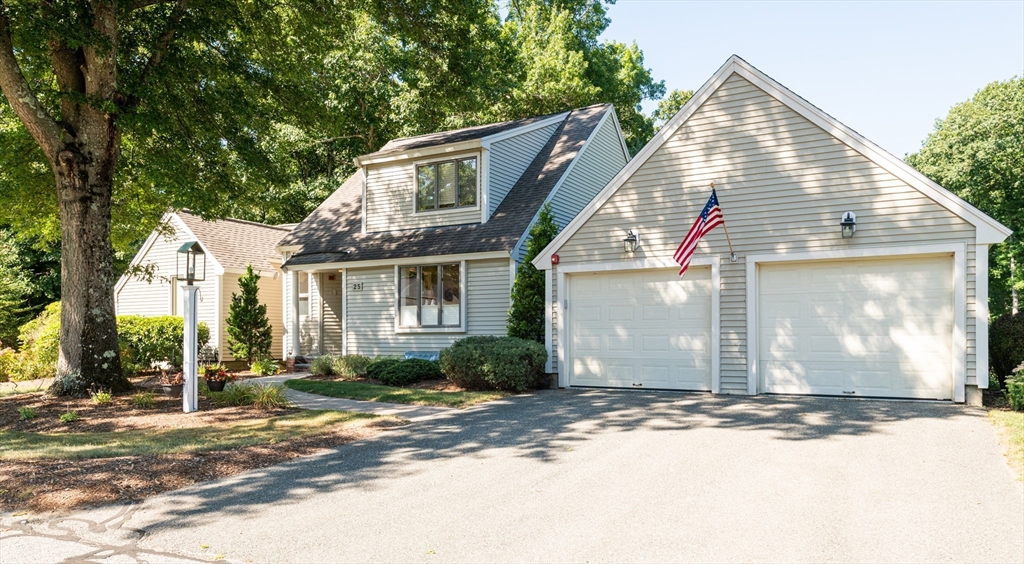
357	286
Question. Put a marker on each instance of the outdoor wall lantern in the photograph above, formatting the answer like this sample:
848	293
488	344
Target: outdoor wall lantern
191	263
631	242
848	225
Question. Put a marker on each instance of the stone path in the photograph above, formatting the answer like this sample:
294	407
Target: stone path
313	401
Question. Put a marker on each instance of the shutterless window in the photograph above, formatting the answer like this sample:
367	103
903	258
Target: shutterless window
430	296
446	185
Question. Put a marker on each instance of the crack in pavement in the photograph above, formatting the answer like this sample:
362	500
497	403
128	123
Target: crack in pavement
61	539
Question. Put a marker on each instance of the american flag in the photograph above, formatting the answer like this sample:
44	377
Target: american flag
710	218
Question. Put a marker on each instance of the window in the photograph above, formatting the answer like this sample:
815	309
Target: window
430	296
446	185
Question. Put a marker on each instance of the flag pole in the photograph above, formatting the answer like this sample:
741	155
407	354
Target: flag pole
732	254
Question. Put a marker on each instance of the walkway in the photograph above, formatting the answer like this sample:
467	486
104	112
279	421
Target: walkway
313	401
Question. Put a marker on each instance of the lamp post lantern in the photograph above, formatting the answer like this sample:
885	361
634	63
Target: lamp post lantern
190	267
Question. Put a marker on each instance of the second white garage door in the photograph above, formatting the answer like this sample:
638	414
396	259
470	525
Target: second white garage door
641	329
875	328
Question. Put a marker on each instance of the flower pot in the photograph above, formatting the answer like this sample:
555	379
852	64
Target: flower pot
172	390
215	385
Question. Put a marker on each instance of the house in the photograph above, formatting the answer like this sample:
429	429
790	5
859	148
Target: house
898	310
231	245
419	247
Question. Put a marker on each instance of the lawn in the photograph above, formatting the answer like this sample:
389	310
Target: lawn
20	445
375	392
1012	425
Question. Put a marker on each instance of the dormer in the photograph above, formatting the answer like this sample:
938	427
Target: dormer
450	178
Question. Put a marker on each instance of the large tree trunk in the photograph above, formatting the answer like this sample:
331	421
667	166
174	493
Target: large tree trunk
88	326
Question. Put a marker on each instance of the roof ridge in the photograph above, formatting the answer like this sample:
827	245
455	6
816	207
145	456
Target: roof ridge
236	220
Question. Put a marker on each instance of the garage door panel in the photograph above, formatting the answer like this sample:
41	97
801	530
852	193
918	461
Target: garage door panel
878	327
653	329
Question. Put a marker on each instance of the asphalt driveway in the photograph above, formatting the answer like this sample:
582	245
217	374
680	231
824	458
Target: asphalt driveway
612	476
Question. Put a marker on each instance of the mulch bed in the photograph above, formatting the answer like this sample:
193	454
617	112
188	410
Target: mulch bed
440	385
55	485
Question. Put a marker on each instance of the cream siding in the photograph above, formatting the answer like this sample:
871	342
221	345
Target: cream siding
270	294
389	201
311	331
371	311
509	159
783	184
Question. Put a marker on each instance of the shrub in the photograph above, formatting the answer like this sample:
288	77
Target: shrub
27	413
143	400
405	372
322	365
147	340
102	398
526	316
350	366
498	363
40	345
1006	344
1015	388
380	365
266	367
8	364
270	396
69	417
234	394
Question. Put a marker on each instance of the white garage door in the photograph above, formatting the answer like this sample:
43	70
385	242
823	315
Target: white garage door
641	329
873	328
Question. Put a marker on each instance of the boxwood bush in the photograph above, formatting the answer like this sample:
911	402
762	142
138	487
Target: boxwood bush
1006	345
380	365
495	363
410	371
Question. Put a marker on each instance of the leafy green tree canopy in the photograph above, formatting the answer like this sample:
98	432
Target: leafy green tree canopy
977	152
669	106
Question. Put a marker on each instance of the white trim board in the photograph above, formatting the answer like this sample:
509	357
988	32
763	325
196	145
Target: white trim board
959	252
400	261
641	264
987	229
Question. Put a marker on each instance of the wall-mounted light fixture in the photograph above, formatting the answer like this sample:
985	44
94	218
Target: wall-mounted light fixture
848	225
631	242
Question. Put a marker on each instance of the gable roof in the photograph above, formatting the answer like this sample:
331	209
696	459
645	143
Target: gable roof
987	230
332	233
478	132
235	243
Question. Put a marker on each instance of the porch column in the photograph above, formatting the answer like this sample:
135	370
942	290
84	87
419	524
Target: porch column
293	279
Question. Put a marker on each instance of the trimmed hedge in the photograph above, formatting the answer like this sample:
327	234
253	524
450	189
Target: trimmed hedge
495	363
410	371
380	365
1006	345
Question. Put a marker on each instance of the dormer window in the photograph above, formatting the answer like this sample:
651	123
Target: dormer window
446	185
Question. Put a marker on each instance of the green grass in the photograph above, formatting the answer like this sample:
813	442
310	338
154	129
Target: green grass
373	392
16	445
1012	425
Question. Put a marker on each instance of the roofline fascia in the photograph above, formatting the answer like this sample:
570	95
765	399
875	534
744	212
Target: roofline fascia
418	152
622	138
610	112
987	230
485	142
282	249
398	261
218	269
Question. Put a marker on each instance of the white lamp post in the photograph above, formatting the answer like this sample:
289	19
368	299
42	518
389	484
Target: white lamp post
191	267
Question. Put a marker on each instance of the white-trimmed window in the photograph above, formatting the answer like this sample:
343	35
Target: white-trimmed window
431	297
447	185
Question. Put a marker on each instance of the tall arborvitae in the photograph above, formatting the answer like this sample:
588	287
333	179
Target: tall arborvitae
526	316
249	330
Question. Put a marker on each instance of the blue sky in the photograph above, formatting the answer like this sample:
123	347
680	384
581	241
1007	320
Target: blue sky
886	69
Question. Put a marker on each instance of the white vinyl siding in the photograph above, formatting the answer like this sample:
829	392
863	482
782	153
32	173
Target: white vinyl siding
371	311
783	184
390	191
509	159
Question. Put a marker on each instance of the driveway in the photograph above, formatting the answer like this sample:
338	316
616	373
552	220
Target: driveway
603	476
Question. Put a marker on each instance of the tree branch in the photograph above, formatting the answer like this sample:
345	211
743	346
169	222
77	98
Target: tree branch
165	41
19	94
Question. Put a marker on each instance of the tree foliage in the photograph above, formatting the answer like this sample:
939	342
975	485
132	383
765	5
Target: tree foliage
669	106
248	327
526	316
977	152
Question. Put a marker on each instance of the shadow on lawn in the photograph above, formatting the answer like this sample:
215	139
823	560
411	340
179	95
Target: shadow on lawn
539	426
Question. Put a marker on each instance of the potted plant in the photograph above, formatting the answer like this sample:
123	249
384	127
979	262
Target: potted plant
171	383
216	376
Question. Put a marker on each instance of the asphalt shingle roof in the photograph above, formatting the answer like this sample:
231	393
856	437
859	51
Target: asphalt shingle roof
332	232
236	243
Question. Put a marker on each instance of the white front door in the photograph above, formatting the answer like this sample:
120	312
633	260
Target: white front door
644	328
872	328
